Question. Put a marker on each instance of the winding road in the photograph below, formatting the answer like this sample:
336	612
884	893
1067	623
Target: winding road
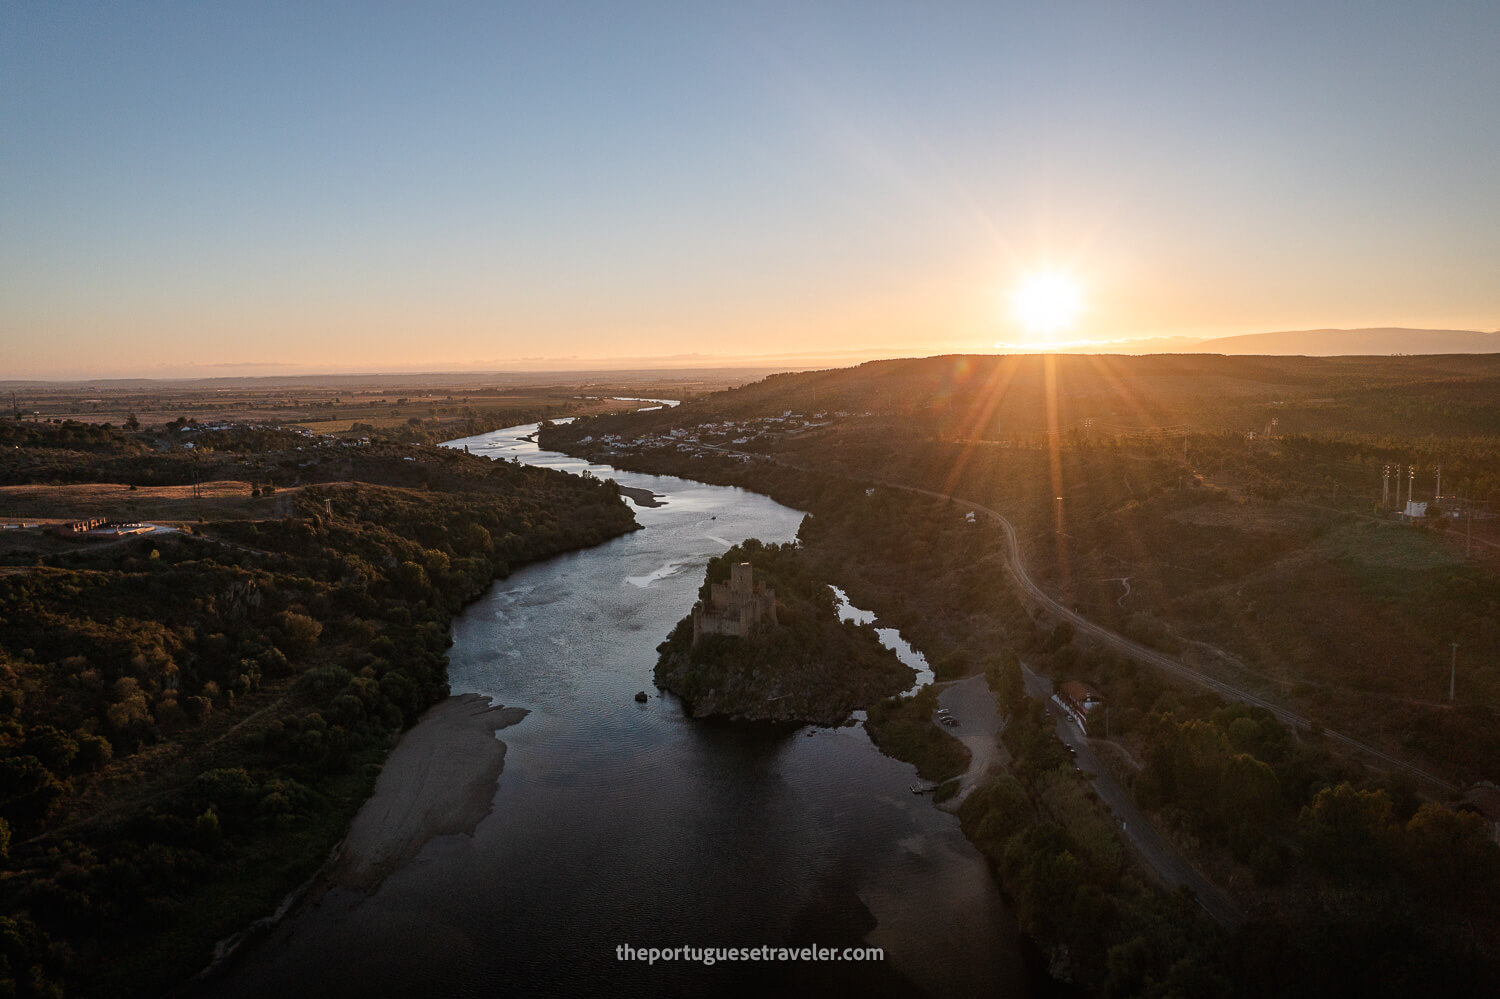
1151	657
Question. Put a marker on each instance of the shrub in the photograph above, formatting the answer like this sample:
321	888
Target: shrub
299	633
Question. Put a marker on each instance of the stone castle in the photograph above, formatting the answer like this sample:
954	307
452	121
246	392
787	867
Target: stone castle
736	607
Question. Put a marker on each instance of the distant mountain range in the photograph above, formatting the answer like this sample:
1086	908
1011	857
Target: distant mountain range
1336	343
1375	341
1382	341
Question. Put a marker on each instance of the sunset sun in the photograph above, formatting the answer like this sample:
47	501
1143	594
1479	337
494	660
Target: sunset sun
1047	303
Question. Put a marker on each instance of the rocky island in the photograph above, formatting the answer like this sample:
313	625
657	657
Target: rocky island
764	643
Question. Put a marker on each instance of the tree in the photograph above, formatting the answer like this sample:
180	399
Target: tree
1048	876
1003	672
299	633
1062	634
54	748
94	751
131	423
1347	830
476	538
28	790
129	715
411	581
1251	795
1447	852
1200	755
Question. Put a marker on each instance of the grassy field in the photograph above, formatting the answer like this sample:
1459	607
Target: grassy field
364	399
221	499
224	499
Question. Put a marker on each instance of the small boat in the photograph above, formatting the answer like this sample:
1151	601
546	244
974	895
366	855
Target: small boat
641	697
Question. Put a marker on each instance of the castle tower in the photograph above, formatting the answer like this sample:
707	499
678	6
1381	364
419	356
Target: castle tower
736	608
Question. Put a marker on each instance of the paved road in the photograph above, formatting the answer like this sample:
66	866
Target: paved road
979	725
1164	662
1170	866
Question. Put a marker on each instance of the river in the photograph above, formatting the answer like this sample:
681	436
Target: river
623	823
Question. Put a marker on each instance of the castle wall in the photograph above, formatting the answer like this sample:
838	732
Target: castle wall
734	608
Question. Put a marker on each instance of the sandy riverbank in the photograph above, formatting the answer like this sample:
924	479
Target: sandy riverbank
438	781
641	497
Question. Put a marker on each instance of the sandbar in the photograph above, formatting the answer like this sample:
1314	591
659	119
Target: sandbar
439	780
641	497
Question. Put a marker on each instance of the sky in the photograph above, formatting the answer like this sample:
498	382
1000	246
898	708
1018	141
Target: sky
231	188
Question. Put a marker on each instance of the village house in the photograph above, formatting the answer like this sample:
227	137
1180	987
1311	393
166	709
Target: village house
1078	700
78	528
1484	800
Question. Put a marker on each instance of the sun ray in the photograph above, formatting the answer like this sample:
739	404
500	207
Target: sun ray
1055	467
990	395
1105	366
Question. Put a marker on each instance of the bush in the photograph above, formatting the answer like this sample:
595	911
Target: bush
952	666
324	681
299	633
94	751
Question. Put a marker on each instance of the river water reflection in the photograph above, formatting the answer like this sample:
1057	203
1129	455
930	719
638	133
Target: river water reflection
623	823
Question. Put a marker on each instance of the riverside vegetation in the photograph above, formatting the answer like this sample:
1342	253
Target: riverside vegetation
808	667
189	721
1351	882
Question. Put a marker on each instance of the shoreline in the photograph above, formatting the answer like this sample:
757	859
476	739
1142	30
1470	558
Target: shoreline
641	497
439	780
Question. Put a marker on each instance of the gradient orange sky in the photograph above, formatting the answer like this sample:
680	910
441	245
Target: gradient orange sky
187	189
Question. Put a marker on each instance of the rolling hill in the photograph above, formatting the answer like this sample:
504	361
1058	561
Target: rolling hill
1345	343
